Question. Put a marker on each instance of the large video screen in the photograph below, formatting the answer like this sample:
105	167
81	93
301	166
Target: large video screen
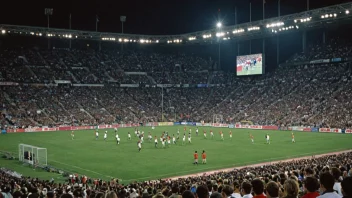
252	64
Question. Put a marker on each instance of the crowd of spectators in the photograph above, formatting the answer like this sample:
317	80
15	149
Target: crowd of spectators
301	95
323	177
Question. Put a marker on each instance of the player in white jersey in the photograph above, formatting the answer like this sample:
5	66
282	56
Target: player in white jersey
163	142
211	134
178	131
173	139
267	139
142	138
72	135
129	136
184	139
117	139
115	129
150	137
197	131
156	142
139	144
189	139
105	135
96	135
190	130
135	133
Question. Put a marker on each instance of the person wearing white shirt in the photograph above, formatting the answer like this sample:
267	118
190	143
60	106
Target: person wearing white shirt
327	186
246	190
337	174
236	190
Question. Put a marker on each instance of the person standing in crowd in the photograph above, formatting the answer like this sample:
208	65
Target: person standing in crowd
258	188
337	174
246	188
272	190
327	186
291	189
236	190
202	191
227	191
311	187
346	187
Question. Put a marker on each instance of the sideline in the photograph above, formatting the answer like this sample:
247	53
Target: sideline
260	164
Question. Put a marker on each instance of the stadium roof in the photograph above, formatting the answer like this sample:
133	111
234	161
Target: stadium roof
258	29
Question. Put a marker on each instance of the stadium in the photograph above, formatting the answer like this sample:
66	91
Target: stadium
255	103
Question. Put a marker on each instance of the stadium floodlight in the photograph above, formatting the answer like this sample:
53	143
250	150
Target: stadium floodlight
238	31
220	34
157	41
142	41
218	24
275	24
347	11
3	31
253	28
192	38
206	36
335	15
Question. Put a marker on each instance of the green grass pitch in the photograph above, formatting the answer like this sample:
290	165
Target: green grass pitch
99	159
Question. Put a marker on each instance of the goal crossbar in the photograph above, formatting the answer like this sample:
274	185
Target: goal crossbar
32	155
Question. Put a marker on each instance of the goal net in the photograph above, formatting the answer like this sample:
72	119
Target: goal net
217	118
32	155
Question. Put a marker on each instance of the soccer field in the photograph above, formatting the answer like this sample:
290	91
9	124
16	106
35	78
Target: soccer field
100	159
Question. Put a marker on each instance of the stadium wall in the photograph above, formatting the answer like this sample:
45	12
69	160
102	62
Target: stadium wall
150	124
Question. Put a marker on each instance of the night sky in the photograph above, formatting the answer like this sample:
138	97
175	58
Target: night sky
166	17
146	17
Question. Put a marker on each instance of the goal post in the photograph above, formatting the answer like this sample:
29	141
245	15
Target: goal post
32	155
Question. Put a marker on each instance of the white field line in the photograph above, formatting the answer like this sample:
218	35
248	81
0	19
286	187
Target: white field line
77	167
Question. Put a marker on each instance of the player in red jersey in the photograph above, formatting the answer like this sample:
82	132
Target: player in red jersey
204	157
205	134
184	128
195	155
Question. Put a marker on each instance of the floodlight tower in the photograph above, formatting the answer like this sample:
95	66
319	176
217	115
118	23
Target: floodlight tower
277	36
218	26
48	12
122	19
